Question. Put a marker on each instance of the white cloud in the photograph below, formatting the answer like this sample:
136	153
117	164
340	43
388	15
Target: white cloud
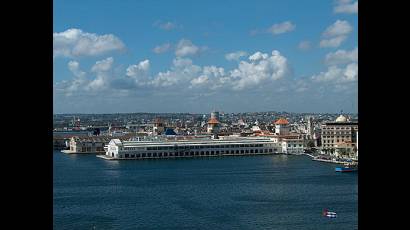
276	29
333	42
103	65
79	79
335	34
342	57
102	69
186	48
336	74
340	27
139	72
261	68
75	43
166	25
181	73
74	67
258	56
162	48
304	45
346	6
235	55
281	28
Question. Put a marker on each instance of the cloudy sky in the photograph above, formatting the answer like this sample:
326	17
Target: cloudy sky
196	56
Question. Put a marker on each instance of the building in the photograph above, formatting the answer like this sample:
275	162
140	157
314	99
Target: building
117	149
339	137
213	125
282	127
293	145
159	127
87	145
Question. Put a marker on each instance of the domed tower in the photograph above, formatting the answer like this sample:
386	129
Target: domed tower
341	118
158	127
282	127
213	124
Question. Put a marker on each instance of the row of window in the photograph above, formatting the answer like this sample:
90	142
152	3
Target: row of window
89	149
198	153
347	133
195	147
346	128
294	145
336	136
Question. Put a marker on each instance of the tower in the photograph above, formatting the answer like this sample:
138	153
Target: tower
158	127
310	128
282	127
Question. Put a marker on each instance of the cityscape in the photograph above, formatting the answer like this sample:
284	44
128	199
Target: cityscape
324	136
205	114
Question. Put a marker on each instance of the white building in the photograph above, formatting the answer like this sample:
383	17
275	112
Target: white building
293	146
117	149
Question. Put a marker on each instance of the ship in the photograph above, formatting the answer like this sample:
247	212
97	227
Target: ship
348	167
329	214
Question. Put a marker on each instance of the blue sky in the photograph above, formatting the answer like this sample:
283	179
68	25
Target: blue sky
171	56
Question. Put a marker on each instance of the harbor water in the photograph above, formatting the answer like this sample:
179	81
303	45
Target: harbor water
241	192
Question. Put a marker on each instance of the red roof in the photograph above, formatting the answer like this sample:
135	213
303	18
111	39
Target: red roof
213	121
281	121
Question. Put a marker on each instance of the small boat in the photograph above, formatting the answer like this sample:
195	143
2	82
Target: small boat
349	167
329	214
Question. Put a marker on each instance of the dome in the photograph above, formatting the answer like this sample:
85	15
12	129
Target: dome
281	121
213	121
341	118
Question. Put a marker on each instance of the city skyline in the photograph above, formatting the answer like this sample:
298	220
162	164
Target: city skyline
125	57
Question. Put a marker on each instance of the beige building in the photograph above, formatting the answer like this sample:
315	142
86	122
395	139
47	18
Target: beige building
88	144
339	136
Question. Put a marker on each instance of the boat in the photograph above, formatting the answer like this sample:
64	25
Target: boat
348	167
329	214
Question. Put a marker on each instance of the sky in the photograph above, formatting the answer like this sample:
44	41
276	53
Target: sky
198	56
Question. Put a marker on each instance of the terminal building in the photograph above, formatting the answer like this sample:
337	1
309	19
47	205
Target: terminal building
117	149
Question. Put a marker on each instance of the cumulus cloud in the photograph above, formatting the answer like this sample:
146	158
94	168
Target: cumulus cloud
75	43
335	34
342	57
261	68
276	29
185	48
281	28
103	65
101	68
162	48
211	76
139	72
74	67
346	6
337	74
182	71
79	79
235	56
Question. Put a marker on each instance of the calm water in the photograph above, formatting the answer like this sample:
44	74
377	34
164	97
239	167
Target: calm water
258	192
